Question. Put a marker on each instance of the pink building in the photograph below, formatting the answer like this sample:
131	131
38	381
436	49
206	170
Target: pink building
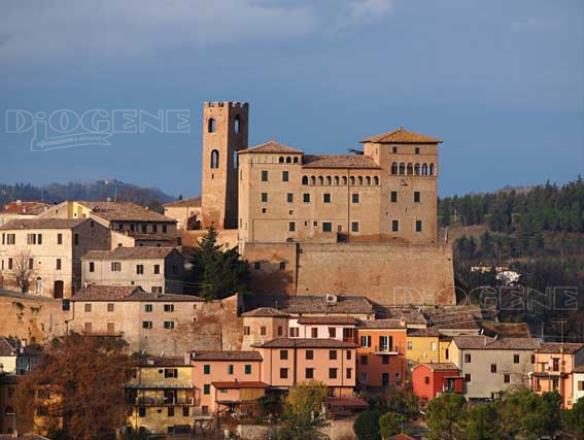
289	361
226	379
554	369
431	379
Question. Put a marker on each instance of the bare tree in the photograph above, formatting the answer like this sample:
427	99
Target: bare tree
23	270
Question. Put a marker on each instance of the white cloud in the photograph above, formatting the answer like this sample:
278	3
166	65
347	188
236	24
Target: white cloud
359	12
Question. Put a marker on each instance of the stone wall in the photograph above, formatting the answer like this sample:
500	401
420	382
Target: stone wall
386	273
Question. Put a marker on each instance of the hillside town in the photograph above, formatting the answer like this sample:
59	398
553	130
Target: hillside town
334	273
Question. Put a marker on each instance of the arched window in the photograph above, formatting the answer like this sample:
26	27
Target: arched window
417	169
344	180
368	180
288	159
280	159
360	180
329	180
394	168
295	159
236	124
410	169
431	169
313	180
352	180
235	160
305	180
425	170
215	159
211	125
376	181
320	180
402	168
337	180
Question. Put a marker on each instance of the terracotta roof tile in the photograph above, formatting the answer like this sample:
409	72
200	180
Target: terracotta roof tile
558	347
271	146
440	366
486	343
355	161
307	343
195	202
125	211
350	305
387	323
323	320
401	136
131	253
42	223
20	207
128	293
265	312
225	356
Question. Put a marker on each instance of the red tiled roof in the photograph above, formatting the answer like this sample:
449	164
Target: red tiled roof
20	207
239	385
306	343
559	347
271	146
439	366
323	320
264	312
356	161
486	343
401	136
225	356
388	323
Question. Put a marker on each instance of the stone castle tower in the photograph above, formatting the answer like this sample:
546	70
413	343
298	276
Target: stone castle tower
225	131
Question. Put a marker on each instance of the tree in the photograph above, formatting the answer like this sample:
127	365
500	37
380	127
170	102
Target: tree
218	274
391	423
82	380
23	270
303	418
366	425
573	418
444	416
481	423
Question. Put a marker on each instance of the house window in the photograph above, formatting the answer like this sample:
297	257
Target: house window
147	325
306	198
394	225
58	264
88	308
230	369
116	266
294	332
110	307
355	198
264	176
326	198
393	196
283	373
76	239
385	360
349	373
314	332
309	355
264	197
418	225
365	341
59	238
467	358
292	227
282	265
332	355
467	378
290	198
493	368
581	385
426	380
349	355
207	389
171	373
309	374
91	266
10	264
410	345
263	330
283	355
515	358
186	411
363	360
417	198
354	226
246	330
332	373
285	176
169	308
206	369
332	332
148	308
170	411
247	369
169	325
156	269
327	227
507	378
140	269
10	238
280	330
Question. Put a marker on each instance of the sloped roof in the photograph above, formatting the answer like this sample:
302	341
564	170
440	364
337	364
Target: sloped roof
272	146
310	304
7	347
128	293
264	312
506	329
131	253
355	161
194	202
387	323
402	136
306	343
23	207
439	366
42	223
559	347
124	211
486	343
324	320
225	356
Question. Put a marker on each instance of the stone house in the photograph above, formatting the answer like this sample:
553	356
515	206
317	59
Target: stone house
187	213
155	269
49	251
20	210
432	379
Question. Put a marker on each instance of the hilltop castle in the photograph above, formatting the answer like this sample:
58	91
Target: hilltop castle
362	224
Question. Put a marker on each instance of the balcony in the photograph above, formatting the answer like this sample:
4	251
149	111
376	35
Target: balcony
385	350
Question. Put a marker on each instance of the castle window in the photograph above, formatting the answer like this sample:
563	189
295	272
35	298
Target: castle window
394	168
352	180
264	176
394	225
285	176
417	150
291	227
394	149
355	227
211	125
368	180
360	180
326	198
236	124
410	169
425	170
306	198
431	172
344	180
402	168
290	198
329	180
327	227
264	197
288	159
305	180
418	225
312	180
320	180
215	159
295	159
376	181
337	180
417	169
417	198
281	160
355	197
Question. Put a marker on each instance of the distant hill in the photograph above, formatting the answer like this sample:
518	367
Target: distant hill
99	190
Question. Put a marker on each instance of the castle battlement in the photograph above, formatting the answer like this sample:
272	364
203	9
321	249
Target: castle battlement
229	104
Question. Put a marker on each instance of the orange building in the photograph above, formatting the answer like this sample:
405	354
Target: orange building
554	369
287	362
381	352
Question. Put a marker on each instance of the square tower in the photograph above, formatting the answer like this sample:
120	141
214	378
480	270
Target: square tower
225	132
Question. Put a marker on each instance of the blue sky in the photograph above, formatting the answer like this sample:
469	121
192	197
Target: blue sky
500	81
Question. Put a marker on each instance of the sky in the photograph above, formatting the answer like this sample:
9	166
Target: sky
501	82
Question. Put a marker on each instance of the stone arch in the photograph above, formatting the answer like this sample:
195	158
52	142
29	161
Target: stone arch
215	159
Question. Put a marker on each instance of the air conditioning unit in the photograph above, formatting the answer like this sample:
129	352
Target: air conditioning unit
331	299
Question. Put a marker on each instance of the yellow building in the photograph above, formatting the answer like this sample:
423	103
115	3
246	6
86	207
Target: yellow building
161	396
426	345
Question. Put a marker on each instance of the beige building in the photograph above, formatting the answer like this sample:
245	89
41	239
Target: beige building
187	213
155	269
141	225
46	253
19	210
491	366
